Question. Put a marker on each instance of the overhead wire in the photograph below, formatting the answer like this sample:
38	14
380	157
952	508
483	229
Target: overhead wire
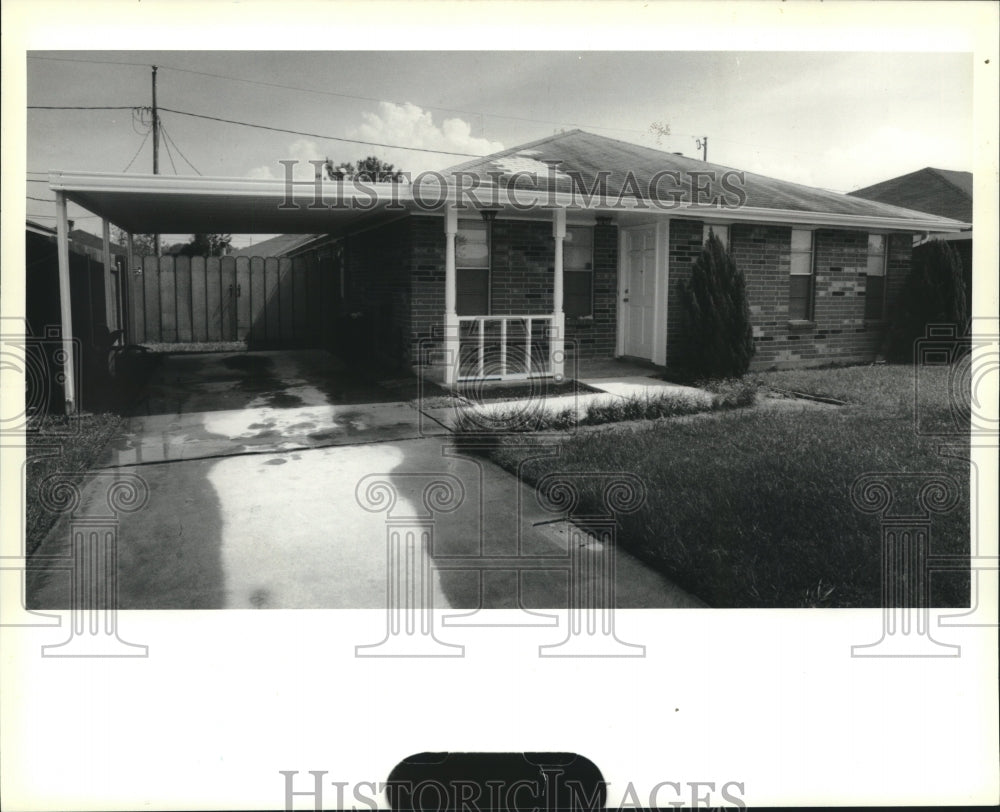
129	164
168	137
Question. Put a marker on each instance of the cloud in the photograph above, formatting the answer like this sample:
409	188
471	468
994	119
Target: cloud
411	126
302	150
405	124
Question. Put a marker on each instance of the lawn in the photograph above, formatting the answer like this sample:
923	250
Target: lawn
65	446
752	508
57	444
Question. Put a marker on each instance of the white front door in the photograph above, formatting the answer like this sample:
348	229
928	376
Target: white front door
639	294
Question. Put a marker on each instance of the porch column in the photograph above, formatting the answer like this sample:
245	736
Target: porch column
110	298
557	346
126	289
65	306
450	285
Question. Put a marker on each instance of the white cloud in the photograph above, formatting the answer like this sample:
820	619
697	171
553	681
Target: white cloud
411	126
302	150
404	124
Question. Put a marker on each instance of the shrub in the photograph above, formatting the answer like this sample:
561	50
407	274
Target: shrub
933	293
718	334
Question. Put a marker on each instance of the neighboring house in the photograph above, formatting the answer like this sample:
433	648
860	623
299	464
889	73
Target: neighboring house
572	246
943	192
282	245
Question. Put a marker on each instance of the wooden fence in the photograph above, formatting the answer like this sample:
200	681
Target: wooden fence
265	302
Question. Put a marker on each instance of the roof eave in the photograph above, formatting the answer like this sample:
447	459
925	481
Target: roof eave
374	196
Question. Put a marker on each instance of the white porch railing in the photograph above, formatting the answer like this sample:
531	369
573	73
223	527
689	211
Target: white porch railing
509	347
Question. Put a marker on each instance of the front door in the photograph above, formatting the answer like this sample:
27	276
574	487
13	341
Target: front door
639	295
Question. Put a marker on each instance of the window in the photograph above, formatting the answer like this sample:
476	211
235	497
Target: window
472	268
875	279
722	232
800	282
578	271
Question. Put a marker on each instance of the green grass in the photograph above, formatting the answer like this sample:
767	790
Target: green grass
66	446
753	508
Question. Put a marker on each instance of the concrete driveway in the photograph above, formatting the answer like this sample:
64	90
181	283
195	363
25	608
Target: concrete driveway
220	404
253	462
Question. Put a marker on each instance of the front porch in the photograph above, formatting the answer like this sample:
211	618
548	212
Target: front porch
498	346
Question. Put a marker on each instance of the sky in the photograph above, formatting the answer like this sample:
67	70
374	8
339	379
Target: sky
837	120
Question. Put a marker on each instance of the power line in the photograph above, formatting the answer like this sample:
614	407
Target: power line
319	135
340	95
41	199
136	154
86	61
166	147
81	107
167	137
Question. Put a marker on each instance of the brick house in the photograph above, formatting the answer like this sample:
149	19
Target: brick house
822	269
944	192
570	247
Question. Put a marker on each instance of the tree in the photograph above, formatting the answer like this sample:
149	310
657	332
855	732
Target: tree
206	245
932	294
370	169
718	332
142	244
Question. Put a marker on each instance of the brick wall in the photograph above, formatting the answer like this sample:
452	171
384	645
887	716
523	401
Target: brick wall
427	286
396	278
522	262
838	332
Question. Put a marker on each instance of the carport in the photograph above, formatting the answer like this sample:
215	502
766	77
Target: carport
156	204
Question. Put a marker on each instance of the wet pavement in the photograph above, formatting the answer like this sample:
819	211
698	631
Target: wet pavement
217	404
276	480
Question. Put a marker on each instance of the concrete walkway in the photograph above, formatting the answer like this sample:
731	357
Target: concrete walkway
240	518
608	389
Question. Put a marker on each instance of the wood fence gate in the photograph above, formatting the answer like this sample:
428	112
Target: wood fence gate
265	302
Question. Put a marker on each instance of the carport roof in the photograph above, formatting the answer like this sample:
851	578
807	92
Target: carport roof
148	204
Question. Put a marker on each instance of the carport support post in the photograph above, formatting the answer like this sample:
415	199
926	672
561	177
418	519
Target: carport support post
557	346
126	287
65	305
450	284
110	305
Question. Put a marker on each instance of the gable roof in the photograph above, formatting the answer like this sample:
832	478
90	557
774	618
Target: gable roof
582	156
278	246
943	192
87	240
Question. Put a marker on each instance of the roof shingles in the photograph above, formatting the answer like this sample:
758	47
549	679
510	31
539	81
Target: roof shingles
629	170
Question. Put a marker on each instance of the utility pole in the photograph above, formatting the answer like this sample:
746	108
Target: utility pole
156	151
702	144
